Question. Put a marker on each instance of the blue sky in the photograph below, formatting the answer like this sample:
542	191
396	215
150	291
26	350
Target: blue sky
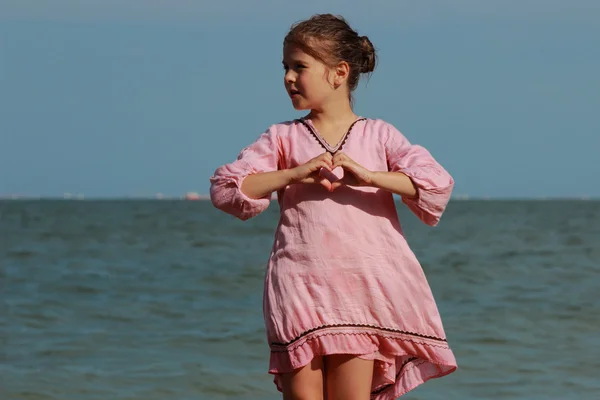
130	98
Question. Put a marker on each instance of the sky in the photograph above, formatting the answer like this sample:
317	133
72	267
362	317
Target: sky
131	98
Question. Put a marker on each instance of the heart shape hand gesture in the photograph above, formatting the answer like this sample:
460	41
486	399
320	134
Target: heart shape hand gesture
333	171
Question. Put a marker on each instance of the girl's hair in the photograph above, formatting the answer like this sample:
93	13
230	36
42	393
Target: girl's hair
330	39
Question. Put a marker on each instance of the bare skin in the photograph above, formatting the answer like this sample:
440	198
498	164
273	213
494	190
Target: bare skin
333	377
348	377
305	383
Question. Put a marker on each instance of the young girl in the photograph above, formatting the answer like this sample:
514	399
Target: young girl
348	311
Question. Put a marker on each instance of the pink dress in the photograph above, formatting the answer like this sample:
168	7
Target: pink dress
341	278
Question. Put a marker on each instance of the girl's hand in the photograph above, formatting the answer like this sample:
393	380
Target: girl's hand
354	173
309	172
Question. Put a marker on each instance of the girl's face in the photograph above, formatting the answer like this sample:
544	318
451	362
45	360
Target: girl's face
306	79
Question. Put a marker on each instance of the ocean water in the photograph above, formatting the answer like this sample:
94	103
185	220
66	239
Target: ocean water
163	300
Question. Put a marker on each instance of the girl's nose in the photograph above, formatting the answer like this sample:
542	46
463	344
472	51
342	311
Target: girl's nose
289	77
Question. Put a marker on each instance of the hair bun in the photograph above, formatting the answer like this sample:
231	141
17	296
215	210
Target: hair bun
369	57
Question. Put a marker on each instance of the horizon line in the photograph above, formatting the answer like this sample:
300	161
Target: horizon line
274	198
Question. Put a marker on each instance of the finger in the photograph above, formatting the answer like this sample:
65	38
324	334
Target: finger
338	158
317	165
315	176
340	163
326	183
344	157
347	163
328	158
336	185
325	164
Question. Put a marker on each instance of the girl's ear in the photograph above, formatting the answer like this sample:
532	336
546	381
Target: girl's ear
341	73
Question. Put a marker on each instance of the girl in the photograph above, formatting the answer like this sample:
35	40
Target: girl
348	311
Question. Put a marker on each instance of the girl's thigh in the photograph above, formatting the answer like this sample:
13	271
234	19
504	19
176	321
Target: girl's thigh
305	383
348	377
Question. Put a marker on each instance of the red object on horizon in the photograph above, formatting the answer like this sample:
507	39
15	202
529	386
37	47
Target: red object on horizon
192	196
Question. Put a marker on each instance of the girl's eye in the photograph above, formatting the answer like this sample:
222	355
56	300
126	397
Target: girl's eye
297	66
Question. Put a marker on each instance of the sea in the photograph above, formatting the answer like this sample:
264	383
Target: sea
162	299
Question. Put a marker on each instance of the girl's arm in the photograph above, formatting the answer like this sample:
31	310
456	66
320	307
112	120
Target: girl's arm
226	194
433	184
395	182
257	186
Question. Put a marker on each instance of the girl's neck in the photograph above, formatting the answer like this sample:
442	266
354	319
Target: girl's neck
336	113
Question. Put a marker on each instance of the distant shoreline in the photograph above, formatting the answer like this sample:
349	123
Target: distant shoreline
207	198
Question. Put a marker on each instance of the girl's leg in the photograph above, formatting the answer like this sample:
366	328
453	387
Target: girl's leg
348	377
305	383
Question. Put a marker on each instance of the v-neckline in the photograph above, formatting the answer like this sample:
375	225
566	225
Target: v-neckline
331	149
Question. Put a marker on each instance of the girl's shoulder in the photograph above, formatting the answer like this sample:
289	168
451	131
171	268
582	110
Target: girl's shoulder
284	127
385	131
381	130
378	125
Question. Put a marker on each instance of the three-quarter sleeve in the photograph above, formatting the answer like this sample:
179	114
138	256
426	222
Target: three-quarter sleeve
433	183
226	182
